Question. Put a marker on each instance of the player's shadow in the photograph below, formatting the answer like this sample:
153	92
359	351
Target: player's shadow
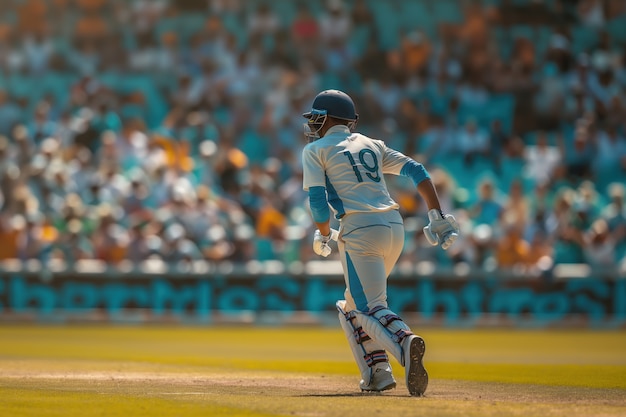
352	394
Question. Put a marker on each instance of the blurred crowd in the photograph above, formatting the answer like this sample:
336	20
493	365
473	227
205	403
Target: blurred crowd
172	130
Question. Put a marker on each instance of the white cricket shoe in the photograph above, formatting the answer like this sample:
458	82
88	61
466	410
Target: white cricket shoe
415	373
382	380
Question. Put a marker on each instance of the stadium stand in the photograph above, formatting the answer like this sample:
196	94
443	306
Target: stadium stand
166	129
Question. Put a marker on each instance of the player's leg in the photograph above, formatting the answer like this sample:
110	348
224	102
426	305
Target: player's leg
395	336
372	360
366	292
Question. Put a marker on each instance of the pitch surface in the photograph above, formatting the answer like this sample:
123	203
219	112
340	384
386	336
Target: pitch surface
247	371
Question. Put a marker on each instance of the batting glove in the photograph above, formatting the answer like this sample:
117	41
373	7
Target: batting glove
320	243
441	230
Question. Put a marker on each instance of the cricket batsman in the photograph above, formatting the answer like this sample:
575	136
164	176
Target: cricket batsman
344	172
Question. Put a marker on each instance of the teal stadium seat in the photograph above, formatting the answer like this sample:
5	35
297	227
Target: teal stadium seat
222	115
617	28
387	24
155	108
513	169
501	107
492	3
542	41
128	39
58	86
328	80
503	41
522	31
264	249
232	24
447	11
417	14
164	25
359	39
286	11
188	24
255	145
583	38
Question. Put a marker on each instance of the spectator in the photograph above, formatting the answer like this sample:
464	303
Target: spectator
10	230
411	57
566	224
611	151
263	22
615	216
473	142
305	27
171	113
487	210
110	240
591	13
9	113
599	247
541	160
512	251
73	245
516	210
498	143
335	23
578	158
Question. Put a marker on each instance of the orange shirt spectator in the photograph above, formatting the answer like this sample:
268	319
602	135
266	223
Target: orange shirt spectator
8	236
270	222
512	250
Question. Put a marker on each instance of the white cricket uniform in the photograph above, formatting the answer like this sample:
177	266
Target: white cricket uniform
351	166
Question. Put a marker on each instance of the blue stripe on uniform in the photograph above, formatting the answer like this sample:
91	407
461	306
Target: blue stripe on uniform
318	203
334	200
356	288
415	171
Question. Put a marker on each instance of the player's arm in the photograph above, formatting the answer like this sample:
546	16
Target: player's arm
313	181
427	191
318	203
442	229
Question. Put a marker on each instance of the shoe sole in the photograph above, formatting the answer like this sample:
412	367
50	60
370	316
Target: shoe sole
417	377
385	388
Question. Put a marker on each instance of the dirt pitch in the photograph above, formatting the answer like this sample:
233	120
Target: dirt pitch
138	371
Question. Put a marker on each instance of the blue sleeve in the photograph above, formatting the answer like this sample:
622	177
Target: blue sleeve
415	171
319	204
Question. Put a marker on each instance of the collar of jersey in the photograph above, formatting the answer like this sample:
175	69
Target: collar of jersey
337	129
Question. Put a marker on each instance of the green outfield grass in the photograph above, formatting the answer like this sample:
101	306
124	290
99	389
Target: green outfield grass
248	371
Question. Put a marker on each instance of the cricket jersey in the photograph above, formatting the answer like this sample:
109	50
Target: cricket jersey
351	167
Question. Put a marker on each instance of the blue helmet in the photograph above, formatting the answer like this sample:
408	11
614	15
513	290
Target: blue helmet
329	103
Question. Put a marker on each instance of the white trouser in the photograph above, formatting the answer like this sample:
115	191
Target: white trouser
369	247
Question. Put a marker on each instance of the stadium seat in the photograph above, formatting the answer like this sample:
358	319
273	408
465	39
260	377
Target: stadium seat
491	3
359	39
387	24
522	31
417	15
583	38
617	28
447	11
189	24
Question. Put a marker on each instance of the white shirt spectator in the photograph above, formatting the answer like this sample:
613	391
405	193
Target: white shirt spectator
38	53
335	23
263	21
540	161
473	139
